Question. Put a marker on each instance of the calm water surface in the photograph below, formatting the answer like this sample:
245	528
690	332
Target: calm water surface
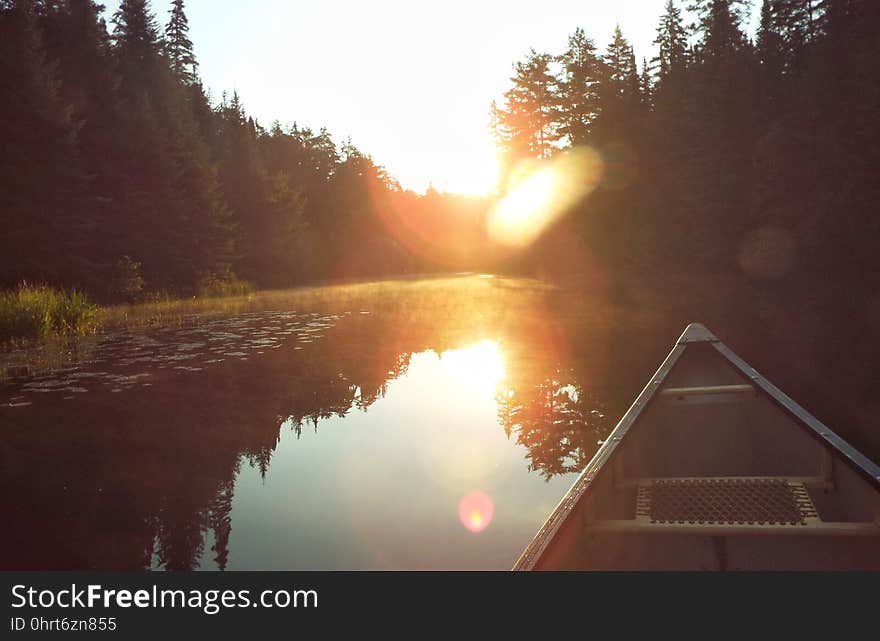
432	433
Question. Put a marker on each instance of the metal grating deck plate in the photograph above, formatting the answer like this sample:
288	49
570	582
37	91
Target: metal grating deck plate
749	501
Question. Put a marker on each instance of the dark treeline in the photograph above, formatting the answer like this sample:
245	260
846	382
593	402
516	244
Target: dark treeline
741	182
724	155
120	175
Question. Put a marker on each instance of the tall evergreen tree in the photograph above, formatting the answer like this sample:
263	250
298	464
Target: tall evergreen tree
721	30
621	97
136	41
39	168
178	47
769	40
622	74
707	12
796	25
528	123
646	85
267	207
769	50
671	41
579	88
146	222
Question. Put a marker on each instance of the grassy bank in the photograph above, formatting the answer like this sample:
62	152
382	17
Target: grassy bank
39	312
35	339
32	318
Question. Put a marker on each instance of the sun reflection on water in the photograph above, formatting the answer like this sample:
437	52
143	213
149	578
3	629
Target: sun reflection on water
478	368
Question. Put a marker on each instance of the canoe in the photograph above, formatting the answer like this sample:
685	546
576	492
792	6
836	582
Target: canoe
714	468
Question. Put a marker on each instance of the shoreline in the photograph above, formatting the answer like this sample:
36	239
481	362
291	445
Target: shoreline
21	358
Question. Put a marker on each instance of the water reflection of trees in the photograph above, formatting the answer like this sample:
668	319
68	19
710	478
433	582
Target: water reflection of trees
557	421
150	483
335	394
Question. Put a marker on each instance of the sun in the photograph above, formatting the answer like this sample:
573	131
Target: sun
471	171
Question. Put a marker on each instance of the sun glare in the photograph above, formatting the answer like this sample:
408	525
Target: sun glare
478	176
478	369
539	195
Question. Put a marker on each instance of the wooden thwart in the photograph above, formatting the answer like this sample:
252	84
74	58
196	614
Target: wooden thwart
707	389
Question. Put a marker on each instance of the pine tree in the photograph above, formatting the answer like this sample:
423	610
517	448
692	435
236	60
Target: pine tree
707	12
632	79
177	45
620	65
528	123
671	92
671	41
86	60
646	85
795	24
799	19
267	206
147	212
41	176
135	40
174	219
89	82
769	49
205	242
578	93
621	97
722	36
769	40
717	107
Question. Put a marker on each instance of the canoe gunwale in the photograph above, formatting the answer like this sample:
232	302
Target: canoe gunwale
855	459
694	333
533	552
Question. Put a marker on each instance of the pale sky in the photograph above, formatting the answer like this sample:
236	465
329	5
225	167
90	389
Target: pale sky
411	82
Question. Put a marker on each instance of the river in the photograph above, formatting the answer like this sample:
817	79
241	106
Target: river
434	429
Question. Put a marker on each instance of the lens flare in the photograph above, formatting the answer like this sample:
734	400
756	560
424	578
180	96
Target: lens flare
475	511
540	194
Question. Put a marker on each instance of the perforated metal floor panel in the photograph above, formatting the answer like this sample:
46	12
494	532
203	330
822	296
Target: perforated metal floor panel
741	501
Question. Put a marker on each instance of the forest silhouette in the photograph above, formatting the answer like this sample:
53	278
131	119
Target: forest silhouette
722	156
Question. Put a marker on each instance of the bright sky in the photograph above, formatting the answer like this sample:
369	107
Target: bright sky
411	82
